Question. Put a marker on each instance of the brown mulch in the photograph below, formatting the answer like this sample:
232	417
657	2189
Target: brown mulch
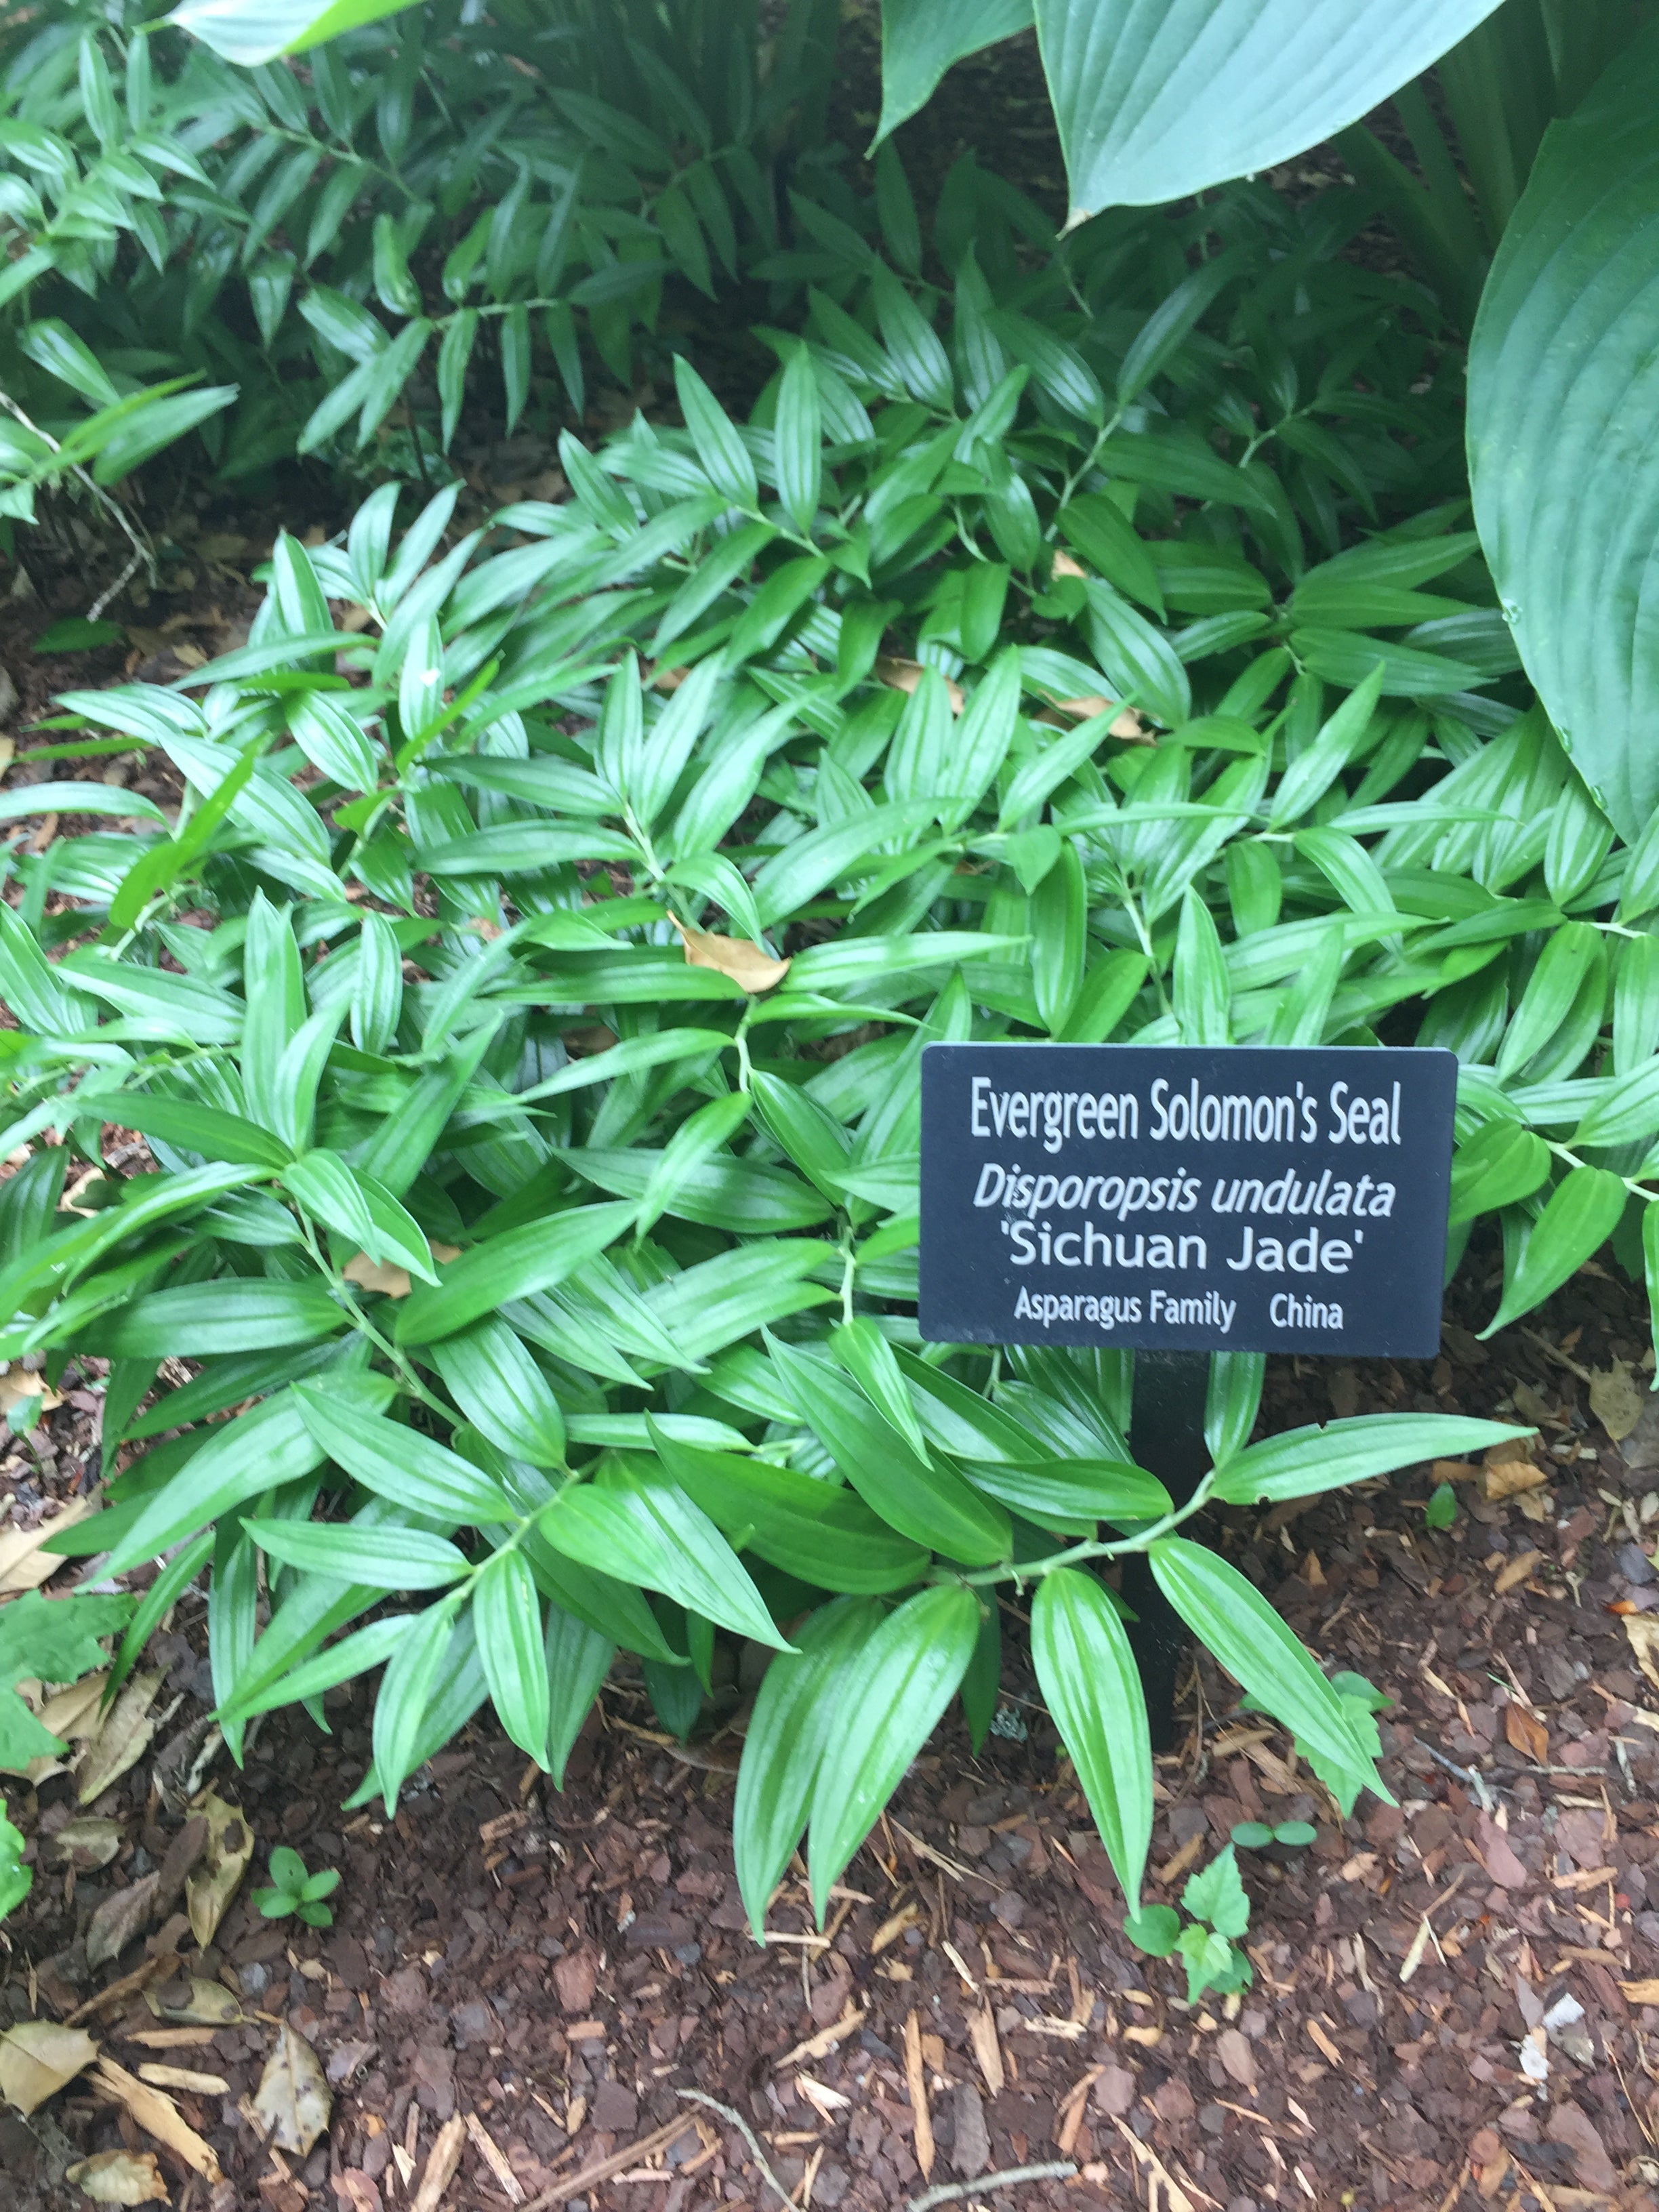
551	1971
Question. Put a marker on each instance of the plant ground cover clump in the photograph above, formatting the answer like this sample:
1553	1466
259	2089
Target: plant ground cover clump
535	1129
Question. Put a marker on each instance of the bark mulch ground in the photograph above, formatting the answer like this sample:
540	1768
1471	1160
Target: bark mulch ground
1451	1996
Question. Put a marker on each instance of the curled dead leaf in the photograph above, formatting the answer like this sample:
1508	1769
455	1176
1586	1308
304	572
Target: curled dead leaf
379	1275
38	2057
1526	1733
72	1713
1064	565
213	1880
1507	1478
1643	1630
905	675
180	2077
1515	1572
23	1564
120	2177
202	2004
293	2101
749	967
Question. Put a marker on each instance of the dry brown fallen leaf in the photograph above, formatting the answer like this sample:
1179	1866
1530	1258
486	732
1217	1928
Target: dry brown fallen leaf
72	1711
379	1275
120	2177
1507	1478
750	968
1063	565
1515	1572
1643	1992
37	2057
293	2100
23	1564
1616	1399
122	1740
213	1880
121	1917
1643	1630
155	2112
905	675
87	1842
1526	1733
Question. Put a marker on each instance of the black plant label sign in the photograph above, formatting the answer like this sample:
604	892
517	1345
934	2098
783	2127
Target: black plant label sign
1186	1197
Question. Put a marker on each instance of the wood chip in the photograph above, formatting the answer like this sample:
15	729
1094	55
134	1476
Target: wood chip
1317	2036
441	2162
827	2039
916	2081
894	1926
982	2034
511	2187
155	2111
605	2169
179	2077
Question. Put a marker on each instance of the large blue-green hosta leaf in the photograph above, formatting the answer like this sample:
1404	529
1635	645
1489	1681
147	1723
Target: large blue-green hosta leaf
1155	99
1564	393
251	31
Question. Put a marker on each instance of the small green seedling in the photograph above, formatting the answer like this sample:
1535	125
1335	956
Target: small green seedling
294	1891
1442	1508
1256	1835
1215	1897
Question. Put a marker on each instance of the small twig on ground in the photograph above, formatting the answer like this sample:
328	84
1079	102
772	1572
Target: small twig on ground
142	555
1476	1780
947	2192
736	2120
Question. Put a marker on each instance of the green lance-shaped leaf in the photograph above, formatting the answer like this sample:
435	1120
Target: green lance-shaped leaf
929	1504
1582	1212
1501	1163
502	1392
1236	1622
1092	1689
891	1699
1305	1461
1070	1495
819	1531
507	1613
799	1705
408	1687
243	1313
640	1528
578	1660
1563	377
514	1265
379	1559
398	1462
1156	98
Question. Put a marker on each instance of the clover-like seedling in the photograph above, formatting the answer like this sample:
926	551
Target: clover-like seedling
1256	1835
294	1891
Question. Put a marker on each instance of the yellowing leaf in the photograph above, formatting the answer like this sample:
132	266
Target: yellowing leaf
121	2177
213	1880
37	2057
293	2100
751	969
1616	1399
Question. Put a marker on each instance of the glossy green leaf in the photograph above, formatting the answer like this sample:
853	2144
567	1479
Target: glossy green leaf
815	1530
1303	1462
578	1659
1582	1212
1501	1163
502	1390
1092	1686
1230	1615
642	1528
799	1708
514	1265
920	41
398	1461
890	1700
506	1614
381	1558
231	1314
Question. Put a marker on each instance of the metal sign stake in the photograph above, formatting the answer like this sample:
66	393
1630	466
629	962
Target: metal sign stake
1166	1435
